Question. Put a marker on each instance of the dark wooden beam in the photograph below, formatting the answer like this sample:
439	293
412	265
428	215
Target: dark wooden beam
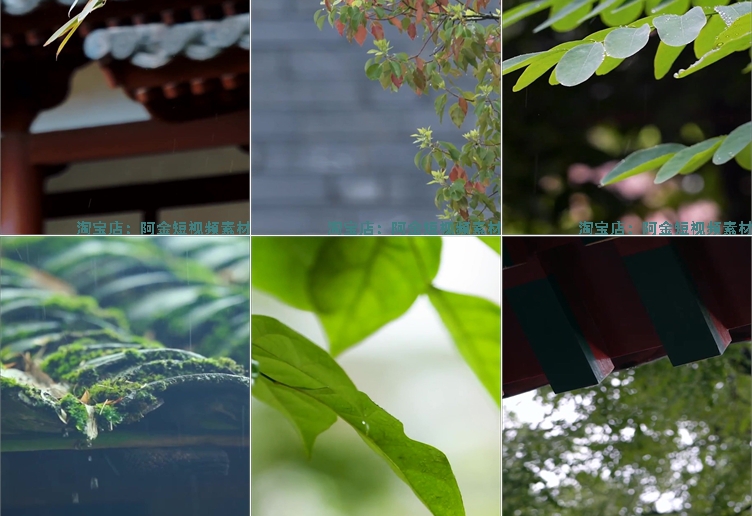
148	197
139	138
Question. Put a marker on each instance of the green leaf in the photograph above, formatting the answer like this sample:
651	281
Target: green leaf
715	55
373	70
540	66
520	12
567	9
678	7
357	285
309	417
688	160
741	28
280	267
677	31
494	242
731	13
320	19
439	104
515	63
475	326
623	43
453	152
580	63
422	467
744	158
641	161
665	57
456	114
733	144
706	40
608	64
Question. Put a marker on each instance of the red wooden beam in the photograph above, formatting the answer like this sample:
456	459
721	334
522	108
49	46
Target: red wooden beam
126	140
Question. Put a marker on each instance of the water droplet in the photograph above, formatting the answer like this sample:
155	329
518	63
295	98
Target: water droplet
94	483
65	433
75	497
90	458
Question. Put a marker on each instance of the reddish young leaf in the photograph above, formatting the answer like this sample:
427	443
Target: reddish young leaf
457	173
464	215
442	4
419	11
463	105
394	21
419	79
411	31
360	36
328	5
340	27
419	63
397	81
377	30
480	187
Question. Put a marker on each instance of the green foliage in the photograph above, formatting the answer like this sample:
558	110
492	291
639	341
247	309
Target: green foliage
355	286
681	431
717	31
467	43
170	287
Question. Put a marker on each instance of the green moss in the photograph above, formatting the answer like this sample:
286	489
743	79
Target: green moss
112	390
108	416
76	411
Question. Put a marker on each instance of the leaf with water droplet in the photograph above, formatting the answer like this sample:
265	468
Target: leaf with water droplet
626	42
676	31
730	13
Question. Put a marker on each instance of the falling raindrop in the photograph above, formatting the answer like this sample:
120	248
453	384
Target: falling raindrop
89	458
75	497
94	484
65	433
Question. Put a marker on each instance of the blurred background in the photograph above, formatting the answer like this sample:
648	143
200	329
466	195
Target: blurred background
559	142
329	145
412	369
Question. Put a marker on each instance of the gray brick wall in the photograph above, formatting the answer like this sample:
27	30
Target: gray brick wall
327	143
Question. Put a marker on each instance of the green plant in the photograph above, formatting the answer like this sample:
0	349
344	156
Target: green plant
467	43
355	286
69	28
716	30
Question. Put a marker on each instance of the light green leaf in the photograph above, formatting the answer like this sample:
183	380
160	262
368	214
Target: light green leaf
580	63
373	70
281	265
733	144
641	161
494	242
475	326
677	31
540	66
357	285
741	28
520	12
715	55
744	158
626	13
665	56
566	10
706	40
515	63
422	467
668	7
688	160
623	43
605	4
608	64
732	12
